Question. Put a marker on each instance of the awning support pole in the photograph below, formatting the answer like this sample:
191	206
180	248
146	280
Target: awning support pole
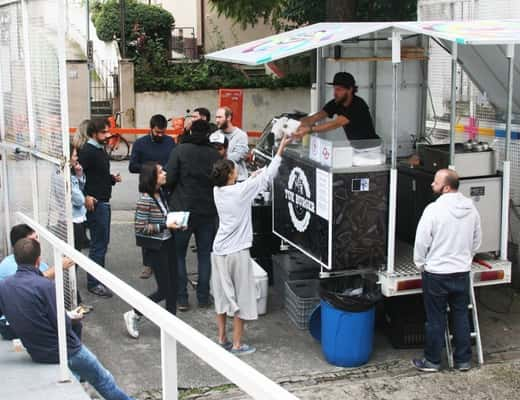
506	179
453	114
392	204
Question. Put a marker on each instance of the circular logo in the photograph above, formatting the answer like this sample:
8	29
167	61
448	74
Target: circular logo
298	209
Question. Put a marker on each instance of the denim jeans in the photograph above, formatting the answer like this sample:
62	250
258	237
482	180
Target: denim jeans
86	366
204	236
439	290
99	226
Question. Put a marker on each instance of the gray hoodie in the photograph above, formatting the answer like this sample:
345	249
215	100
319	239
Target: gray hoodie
448	235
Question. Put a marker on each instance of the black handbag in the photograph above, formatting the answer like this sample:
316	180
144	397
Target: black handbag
148	242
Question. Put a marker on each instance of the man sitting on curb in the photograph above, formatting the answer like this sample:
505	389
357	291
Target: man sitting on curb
8	267
28	300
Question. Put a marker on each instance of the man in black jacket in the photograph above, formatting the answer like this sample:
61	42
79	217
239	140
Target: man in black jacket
98	190
188	180
156	146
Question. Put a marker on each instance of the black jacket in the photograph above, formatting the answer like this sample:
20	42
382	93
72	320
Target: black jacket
96	165
188	179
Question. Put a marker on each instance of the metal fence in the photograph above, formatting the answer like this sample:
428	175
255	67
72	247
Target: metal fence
34	140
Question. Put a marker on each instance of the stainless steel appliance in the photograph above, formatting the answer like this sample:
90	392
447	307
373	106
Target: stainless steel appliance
477	160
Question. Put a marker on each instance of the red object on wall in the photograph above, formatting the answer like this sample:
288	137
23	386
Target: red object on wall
234	99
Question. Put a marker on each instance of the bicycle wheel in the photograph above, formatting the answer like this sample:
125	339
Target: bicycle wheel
120	151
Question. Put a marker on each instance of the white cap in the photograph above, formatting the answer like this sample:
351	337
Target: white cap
217	138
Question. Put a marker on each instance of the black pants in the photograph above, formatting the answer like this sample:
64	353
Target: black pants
164	266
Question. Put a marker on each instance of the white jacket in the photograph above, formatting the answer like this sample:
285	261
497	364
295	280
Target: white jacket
448	235
233	202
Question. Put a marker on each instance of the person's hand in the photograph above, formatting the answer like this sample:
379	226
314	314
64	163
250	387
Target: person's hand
301	131
66	262
90	203
118	178
283	143
173	226
188	122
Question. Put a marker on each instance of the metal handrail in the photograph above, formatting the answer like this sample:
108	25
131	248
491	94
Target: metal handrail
172	328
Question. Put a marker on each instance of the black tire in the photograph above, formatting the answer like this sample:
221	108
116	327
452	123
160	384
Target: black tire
121	151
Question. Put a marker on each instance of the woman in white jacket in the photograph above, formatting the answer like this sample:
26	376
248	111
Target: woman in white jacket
232	276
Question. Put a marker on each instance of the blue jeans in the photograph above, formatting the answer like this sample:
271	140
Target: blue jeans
204	236
99	226
439	290
86	366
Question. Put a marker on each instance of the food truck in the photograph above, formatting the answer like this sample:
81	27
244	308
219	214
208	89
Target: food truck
351	215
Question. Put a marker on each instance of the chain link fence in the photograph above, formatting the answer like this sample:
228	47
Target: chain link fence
34	122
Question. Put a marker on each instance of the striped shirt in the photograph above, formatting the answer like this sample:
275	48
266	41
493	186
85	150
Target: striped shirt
150	217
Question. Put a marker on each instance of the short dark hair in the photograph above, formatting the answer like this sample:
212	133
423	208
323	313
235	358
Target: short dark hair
204	112
148	178
158	121
451	179
220	172
200	127
18	232
26	251
96	125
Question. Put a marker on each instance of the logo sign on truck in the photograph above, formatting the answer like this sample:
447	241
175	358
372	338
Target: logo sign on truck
298	196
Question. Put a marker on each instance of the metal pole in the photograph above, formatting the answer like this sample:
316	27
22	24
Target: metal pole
453	116
506	182
30	107
3	178
319	78
392	204
60	307
169	366
89	66
122	14
64	167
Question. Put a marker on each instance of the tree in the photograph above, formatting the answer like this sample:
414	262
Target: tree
285	14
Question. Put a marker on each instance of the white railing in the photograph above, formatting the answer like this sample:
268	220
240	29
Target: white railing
173	330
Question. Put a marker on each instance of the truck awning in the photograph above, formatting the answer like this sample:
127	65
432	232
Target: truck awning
481	50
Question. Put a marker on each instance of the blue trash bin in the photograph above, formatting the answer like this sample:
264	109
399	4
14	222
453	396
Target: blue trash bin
346	337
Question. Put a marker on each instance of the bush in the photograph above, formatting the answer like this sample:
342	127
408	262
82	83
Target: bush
206	75
152	21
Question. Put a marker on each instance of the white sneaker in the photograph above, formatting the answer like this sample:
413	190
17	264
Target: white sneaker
132	323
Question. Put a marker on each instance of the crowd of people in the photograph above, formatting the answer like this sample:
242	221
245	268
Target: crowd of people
202	174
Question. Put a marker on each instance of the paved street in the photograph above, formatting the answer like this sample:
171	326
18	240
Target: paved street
285	354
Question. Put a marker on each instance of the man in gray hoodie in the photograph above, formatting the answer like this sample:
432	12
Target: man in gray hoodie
447	238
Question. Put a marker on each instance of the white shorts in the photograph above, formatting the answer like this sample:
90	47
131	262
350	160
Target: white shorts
233	285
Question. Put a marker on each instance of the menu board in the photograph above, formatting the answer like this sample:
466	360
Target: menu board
301	207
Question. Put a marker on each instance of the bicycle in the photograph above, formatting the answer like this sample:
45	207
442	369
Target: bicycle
116	146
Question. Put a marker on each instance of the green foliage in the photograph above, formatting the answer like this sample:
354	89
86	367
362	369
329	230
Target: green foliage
207	75
140	19
284	14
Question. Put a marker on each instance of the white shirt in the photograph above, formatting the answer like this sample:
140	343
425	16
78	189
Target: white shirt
233	202
448	235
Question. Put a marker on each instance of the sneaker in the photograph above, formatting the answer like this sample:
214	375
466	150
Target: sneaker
183	307
132	323
243	350
227	345
463	367
146	273
101	291
424	365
